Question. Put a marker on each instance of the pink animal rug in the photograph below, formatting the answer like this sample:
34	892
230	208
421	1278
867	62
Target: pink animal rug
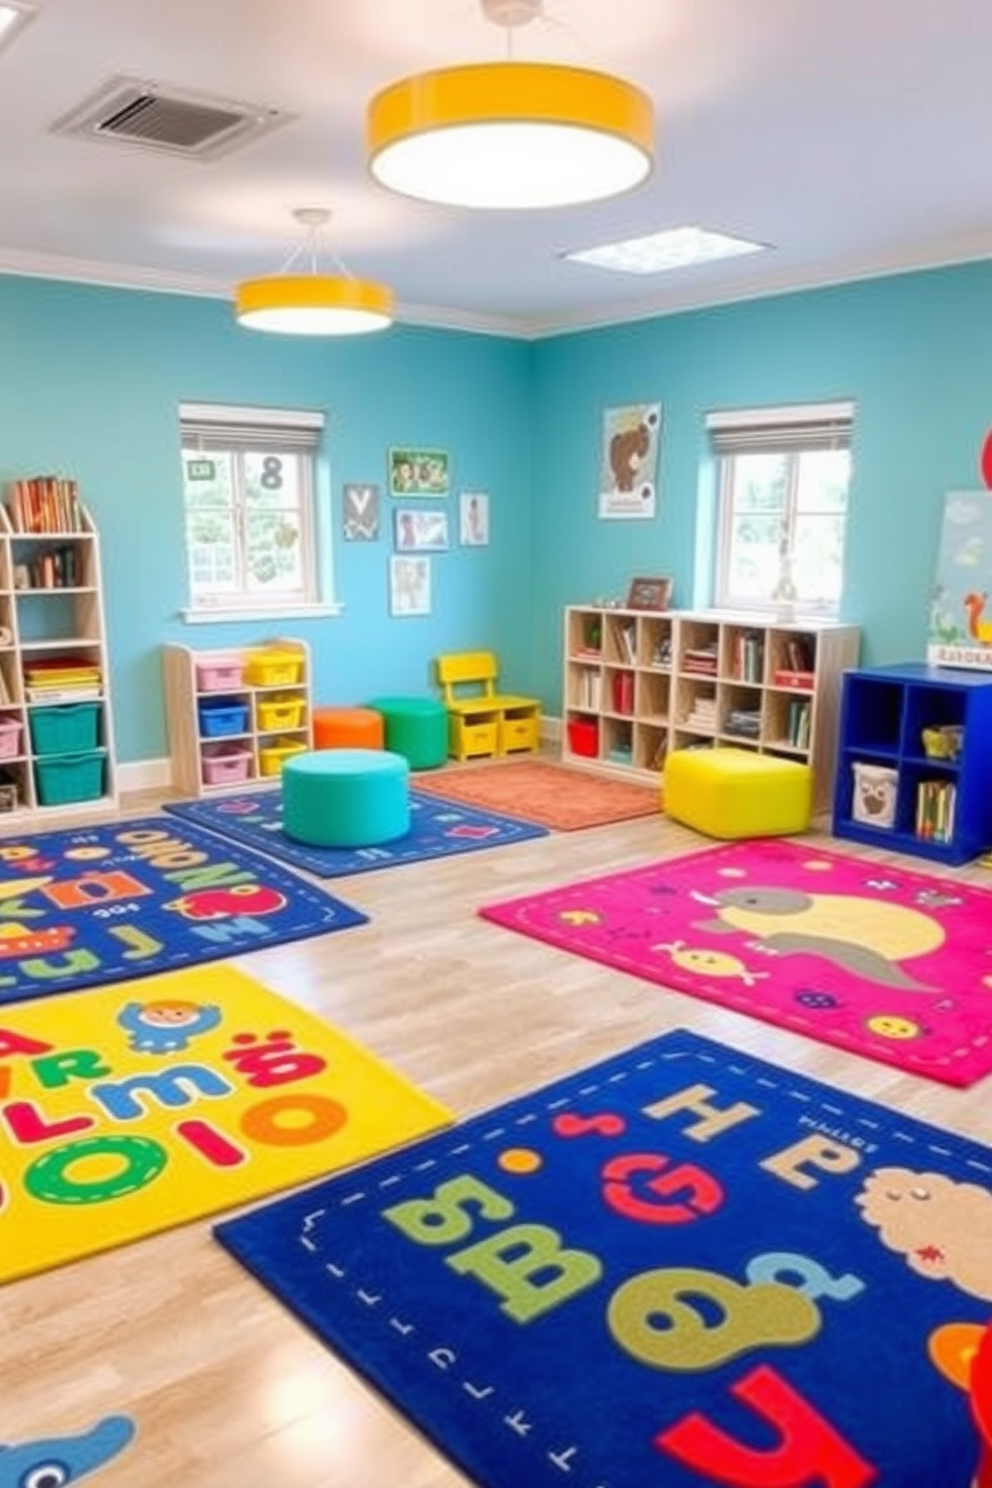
883	962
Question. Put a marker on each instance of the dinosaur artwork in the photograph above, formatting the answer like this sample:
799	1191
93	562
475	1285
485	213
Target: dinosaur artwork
862	936
960	626
54	1461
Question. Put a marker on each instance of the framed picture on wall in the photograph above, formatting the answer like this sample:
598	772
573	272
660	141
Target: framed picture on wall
420	531
409	585
473	519
418	472
359	512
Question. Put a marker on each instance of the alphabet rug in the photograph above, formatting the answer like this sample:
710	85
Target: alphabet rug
132	1109
107	903
882	961
680	1266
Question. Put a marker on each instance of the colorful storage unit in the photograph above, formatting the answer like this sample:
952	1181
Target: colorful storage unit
235	717
913	767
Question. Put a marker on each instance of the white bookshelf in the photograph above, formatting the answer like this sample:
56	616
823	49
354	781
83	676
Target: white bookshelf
51	609
639	684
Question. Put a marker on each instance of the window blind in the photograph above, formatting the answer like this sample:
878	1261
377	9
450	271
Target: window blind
779	431
206	426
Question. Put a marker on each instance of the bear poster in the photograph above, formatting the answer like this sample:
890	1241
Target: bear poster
960	629
629	472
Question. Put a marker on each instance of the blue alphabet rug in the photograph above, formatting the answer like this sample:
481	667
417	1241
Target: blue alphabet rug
437	829
122	900
682	1266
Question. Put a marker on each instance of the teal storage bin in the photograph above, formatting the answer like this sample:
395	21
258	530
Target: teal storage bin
69	778
70	728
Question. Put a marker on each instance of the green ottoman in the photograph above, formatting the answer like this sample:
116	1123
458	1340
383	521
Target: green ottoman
345	797
415	727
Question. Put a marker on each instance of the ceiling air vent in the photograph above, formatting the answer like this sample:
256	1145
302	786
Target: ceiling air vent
154	117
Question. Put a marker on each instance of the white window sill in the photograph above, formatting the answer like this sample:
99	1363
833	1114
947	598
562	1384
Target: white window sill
217	615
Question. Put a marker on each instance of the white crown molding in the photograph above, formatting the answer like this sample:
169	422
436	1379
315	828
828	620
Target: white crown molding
673	301
159	281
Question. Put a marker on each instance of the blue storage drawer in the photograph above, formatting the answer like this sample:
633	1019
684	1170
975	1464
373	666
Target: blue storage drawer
222	716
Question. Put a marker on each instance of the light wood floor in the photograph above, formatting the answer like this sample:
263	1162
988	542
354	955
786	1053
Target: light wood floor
227	1389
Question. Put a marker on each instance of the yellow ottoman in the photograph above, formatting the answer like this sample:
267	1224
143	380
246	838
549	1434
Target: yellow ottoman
738	792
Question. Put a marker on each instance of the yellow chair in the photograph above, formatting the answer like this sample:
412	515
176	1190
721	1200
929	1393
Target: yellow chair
482	721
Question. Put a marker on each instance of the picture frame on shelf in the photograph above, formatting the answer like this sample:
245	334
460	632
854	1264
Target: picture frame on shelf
420	531
649	594
419	472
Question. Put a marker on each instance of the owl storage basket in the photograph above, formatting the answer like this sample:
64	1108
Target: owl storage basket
874	800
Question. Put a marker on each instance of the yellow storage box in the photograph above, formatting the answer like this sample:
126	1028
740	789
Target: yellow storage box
281	712
273	667
272	757
731	793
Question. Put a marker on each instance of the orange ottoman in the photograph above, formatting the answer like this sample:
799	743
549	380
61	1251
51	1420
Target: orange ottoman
347	728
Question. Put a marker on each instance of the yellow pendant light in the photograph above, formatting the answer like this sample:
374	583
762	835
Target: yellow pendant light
510	134
313	304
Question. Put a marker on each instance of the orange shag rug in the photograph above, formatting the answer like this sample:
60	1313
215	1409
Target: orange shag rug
540	791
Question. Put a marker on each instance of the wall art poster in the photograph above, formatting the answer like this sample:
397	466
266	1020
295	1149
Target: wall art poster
960	629
424	530
418	472
628	481
360	512
409	586
473	528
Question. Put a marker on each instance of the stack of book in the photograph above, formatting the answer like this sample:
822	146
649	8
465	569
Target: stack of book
702	715
935	810
61	679
745	723
701	661
44	503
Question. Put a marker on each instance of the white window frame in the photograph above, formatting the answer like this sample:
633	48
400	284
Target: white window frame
791	430
237	428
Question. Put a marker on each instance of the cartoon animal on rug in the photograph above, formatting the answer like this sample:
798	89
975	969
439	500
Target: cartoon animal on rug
168	1025
940	1226
979	628
54	1461
863	936
221	904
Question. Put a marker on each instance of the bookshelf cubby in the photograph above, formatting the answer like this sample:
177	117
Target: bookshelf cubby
938	807
701	677
57	751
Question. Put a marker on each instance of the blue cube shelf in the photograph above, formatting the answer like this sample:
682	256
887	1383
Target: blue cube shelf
942	807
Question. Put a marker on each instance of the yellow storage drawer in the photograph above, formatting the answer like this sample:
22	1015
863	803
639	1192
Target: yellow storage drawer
281	712
273	668
272	757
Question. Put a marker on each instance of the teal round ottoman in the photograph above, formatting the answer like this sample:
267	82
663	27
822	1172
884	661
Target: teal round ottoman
345	797
415	727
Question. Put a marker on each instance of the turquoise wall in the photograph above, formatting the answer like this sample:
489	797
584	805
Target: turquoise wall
91	379
914	352
90	383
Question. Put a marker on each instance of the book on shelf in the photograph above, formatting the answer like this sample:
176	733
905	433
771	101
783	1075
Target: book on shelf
935	803
623	692
44	503
748	658
627	642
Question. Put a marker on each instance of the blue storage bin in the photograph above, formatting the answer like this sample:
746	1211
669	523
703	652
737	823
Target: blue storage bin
69	778
69	728
222	716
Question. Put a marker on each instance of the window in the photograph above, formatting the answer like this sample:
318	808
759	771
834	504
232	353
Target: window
784	475
249	484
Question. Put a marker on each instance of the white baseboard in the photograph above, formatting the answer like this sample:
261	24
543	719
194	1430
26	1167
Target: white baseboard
551	729
144	775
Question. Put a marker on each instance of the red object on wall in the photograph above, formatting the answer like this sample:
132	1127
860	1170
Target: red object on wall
986	460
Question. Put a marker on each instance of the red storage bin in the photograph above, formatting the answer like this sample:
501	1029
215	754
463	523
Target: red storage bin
583	737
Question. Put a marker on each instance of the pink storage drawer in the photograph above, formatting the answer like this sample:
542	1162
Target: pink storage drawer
10	737
225	766
219	673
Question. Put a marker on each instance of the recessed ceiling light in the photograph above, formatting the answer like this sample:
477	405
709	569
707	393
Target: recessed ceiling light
659	252
14	15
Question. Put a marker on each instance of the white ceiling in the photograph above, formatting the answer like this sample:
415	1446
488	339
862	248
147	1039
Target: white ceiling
852	136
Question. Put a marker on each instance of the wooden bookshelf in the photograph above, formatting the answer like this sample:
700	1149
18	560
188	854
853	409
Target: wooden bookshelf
638	684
